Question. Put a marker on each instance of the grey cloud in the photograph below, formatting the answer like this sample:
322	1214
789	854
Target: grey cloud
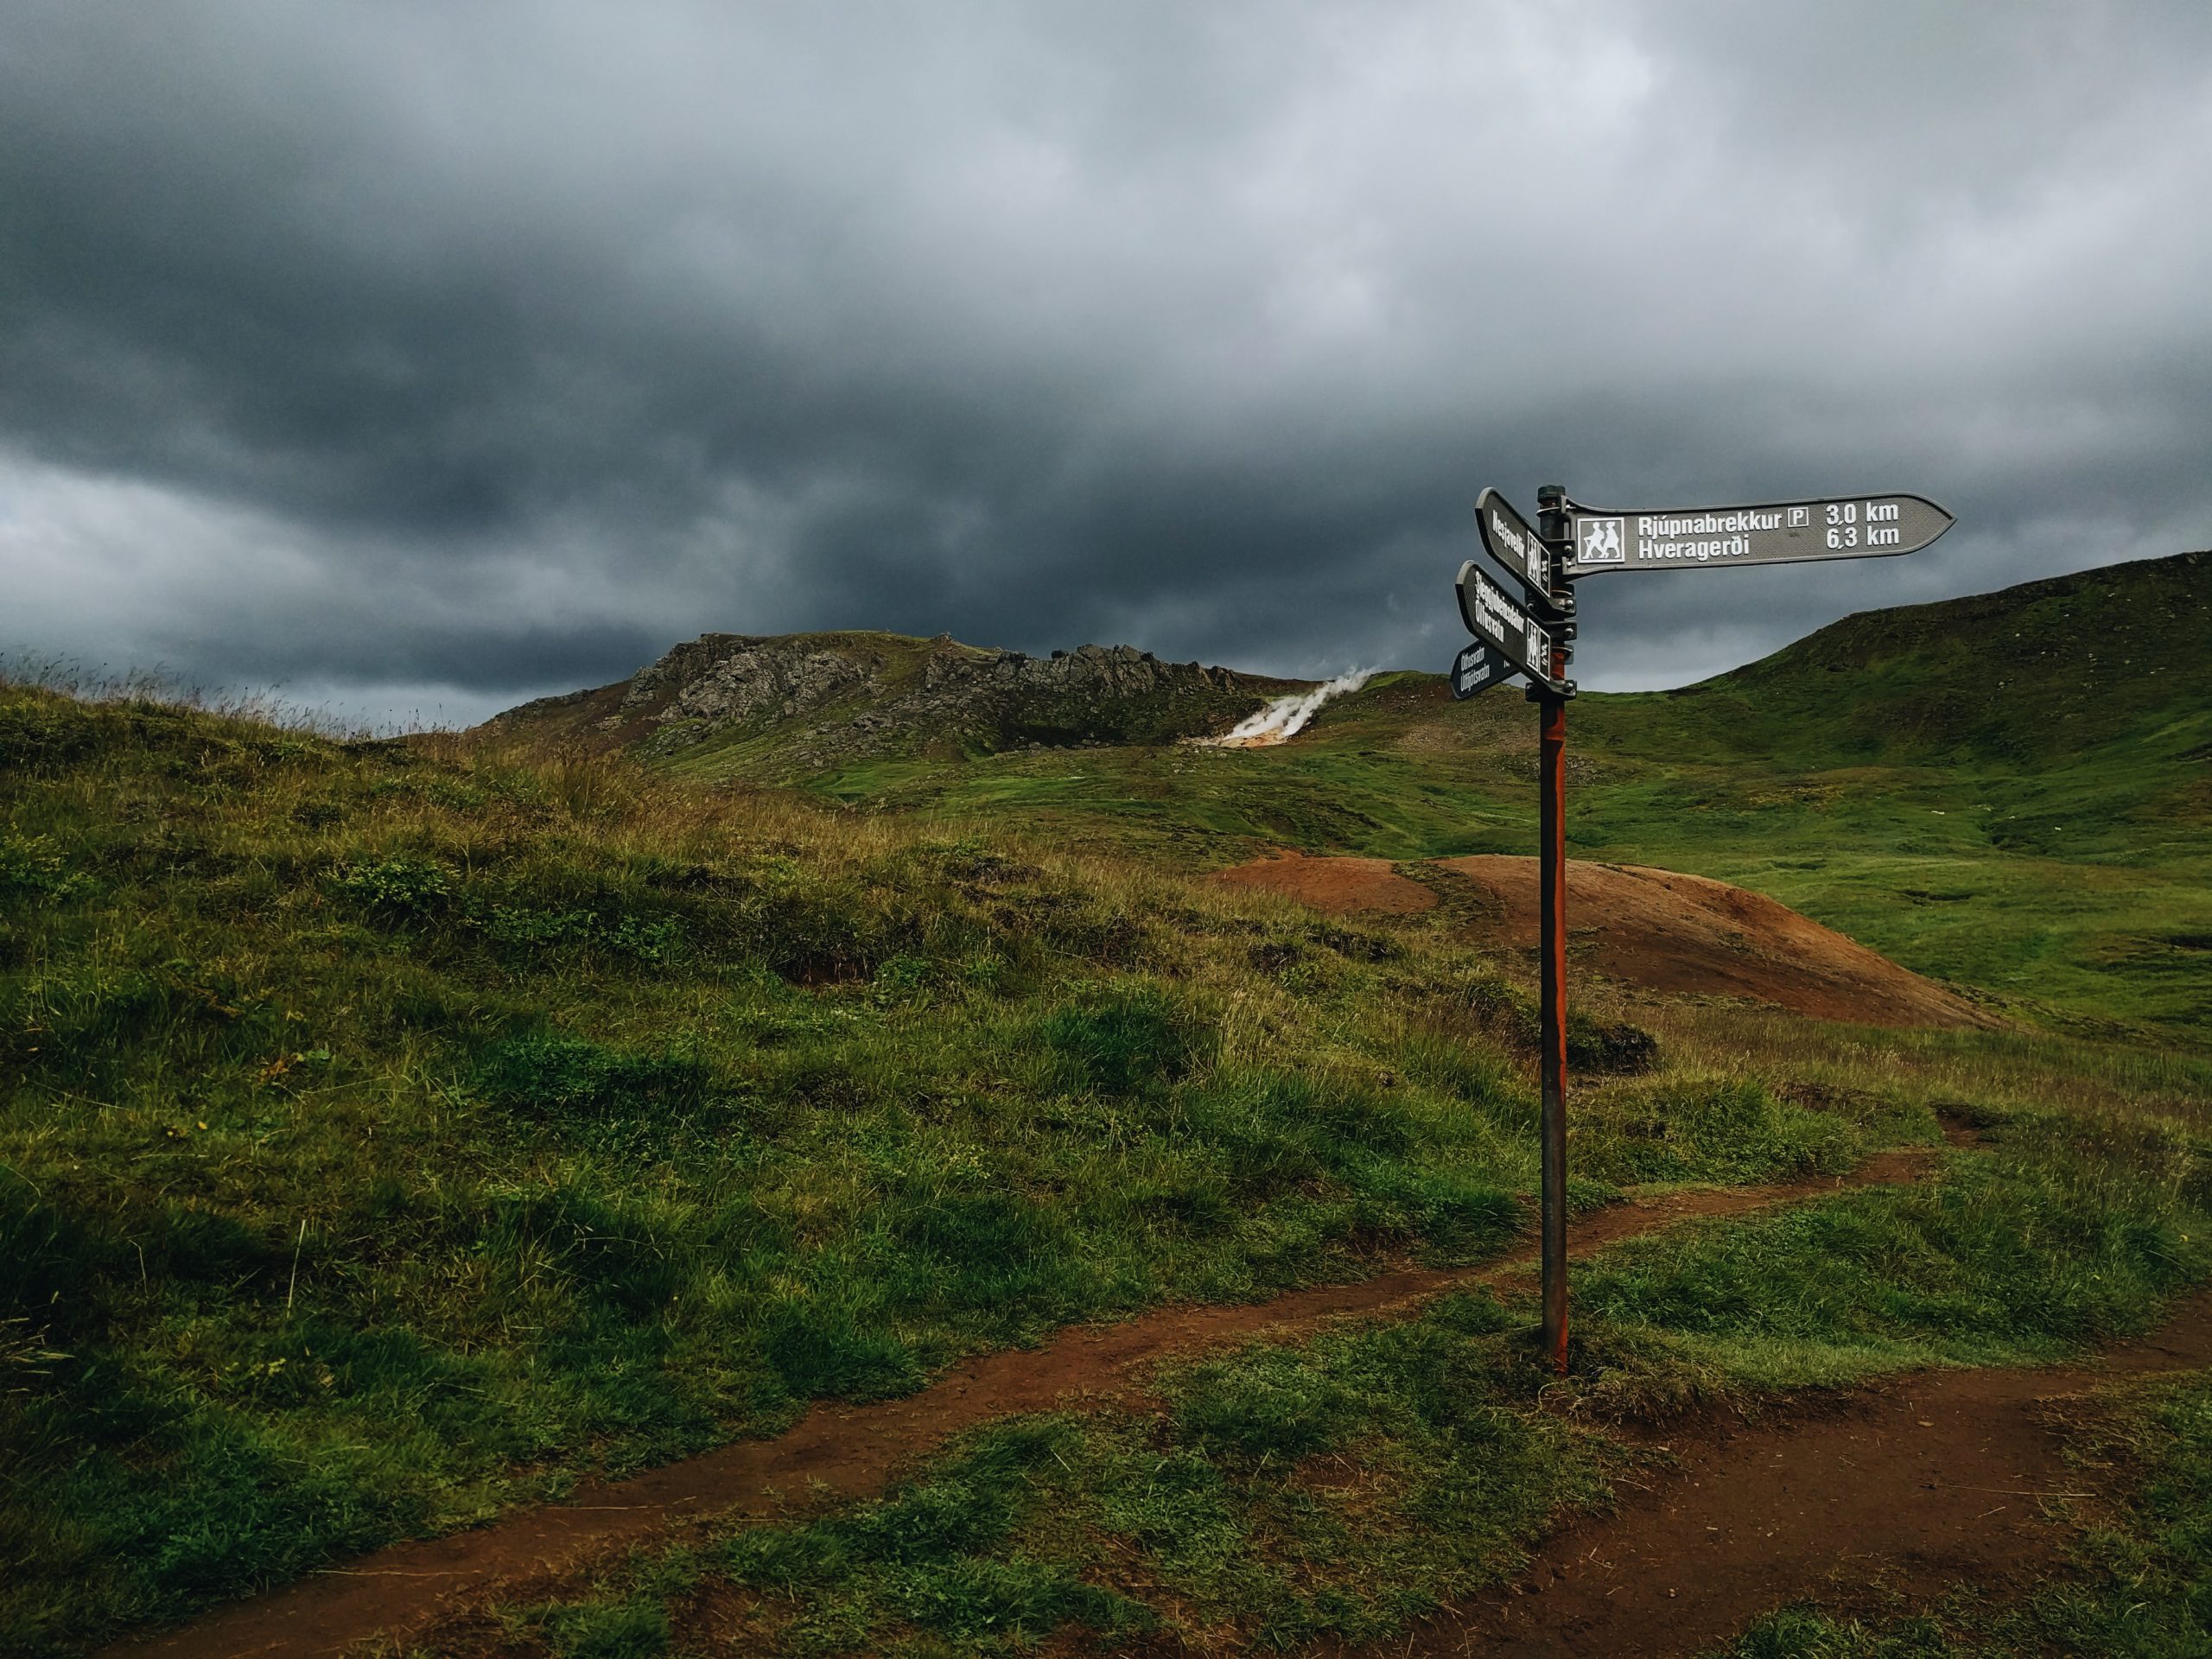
494	347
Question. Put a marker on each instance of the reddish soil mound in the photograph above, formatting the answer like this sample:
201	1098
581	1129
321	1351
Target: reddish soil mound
1687	933
1655	928
1339	885
852	1450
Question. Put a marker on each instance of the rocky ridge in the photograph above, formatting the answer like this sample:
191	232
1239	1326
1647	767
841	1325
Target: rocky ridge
805	703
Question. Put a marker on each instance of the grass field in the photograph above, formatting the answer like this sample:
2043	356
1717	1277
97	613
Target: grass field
395	1133
1907	860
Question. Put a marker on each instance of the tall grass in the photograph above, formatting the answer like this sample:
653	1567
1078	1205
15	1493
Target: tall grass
394	1130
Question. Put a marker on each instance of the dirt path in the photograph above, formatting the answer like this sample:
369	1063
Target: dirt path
853	1450
1912	1489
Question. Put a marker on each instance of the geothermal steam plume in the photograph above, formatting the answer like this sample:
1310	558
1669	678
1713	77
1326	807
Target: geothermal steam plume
1286	717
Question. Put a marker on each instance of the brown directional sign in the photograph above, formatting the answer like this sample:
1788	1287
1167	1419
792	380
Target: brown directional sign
1508	539
1780	532
1501	624
1477	668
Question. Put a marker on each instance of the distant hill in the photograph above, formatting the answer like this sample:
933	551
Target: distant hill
2026	677
790	705
2029	674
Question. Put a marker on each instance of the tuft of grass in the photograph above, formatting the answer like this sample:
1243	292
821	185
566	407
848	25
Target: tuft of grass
588	1093
932	1557
632	1630
1123	1041
1711	1128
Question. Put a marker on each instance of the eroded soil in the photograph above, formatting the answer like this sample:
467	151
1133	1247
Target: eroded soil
1658	929
1339	885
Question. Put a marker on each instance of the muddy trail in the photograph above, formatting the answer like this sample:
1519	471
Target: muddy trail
1904	1491
855	1451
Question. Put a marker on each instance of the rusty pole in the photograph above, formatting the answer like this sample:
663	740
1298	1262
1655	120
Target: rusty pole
1552	929
1552	926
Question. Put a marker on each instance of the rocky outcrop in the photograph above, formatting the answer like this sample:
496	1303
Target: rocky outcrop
818	700
1091	670
723	678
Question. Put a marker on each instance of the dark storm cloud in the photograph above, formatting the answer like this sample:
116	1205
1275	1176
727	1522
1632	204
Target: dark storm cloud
395	347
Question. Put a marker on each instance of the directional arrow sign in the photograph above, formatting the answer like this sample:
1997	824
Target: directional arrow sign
1508	539
1477	668
1503	626
1780	532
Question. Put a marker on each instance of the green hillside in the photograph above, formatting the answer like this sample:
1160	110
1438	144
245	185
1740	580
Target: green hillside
1966	786
2029	676
2080	707
395	1133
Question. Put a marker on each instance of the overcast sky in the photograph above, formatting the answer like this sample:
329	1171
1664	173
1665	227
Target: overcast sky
419	357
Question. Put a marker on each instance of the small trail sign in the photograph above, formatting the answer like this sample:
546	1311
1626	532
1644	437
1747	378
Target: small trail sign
1513	542
1493	617
1775	532
1537	638
1476	669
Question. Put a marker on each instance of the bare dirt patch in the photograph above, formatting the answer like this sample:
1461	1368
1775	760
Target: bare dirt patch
1903	1491
1339	885
1686	935
855	1451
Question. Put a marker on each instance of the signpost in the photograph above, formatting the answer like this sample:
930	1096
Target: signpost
1535	638
1508	538
1477	668
1776	532
1503	625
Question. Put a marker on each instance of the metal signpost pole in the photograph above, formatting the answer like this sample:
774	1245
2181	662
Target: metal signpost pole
1552	929
1534	640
